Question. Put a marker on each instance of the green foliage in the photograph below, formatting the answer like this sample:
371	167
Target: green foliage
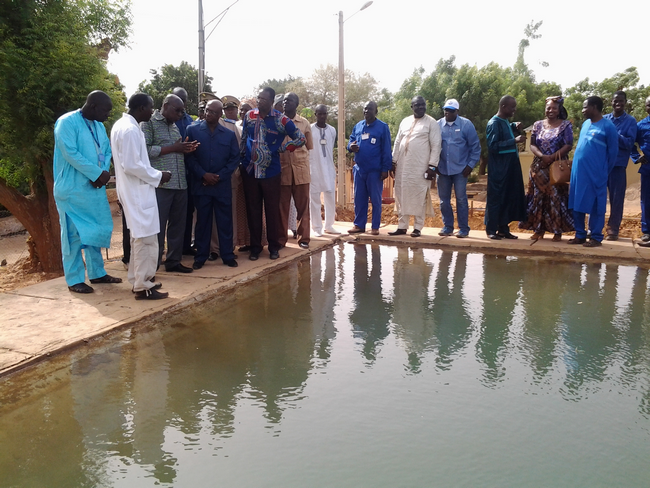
627	81
48	65
186	76
106	20
280	86
530	32
13	172
478	90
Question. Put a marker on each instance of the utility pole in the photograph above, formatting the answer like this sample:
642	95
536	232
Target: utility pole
201	48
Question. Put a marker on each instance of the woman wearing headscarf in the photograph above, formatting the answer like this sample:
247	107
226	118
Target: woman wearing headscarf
548	205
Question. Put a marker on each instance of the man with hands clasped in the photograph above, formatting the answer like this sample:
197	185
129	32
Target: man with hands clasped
211	166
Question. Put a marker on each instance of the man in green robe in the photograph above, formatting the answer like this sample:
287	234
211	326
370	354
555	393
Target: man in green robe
506	200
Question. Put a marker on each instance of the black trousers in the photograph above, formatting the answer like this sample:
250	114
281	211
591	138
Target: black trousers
209	207
262	194
172	210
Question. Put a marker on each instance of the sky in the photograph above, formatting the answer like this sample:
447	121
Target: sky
261	39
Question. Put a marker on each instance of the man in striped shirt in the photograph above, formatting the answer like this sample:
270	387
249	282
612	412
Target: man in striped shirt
167	153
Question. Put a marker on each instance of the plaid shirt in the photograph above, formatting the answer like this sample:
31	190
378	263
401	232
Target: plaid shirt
158	133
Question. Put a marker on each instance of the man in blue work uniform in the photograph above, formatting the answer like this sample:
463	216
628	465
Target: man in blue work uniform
617	182
211	167
370	143
643	140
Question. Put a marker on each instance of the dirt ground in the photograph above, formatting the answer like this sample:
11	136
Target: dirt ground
22	274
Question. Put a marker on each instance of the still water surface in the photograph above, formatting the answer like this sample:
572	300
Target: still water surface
364	366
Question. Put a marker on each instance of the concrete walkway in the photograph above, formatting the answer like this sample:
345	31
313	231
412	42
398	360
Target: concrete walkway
41	320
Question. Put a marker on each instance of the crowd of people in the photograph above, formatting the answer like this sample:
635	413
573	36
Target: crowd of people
200	187
245	174
449	150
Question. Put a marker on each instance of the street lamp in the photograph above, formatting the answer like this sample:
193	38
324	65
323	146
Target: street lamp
341	109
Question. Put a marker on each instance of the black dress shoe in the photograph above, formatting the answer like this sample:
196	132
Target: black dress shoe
244	249
304	245
495	237
577	240
81	288
231	263
593	243
275	255
213	256
150	294
197	265
254	256
507	235
398	232
156	286
179	268
416	233
190	252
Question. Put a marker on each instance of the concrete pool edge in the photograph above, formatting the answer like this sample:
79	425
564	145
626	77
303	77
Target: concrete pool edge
44	320
31	334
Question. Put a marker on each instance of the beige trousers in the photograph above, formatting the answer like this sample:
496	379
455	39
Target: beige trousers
143	262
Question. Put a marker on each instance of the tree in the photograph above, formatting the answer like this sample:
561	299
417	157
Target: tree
52	54
627	81
478	90
322	87
169	77
280	86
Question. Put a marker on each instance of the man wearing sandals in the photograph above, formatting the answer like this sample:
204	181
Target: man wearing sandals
415	154
82	157
593	160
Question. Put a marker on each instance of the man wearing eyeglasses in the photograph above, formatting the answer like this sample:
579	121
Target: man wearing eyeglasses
262	141
167	153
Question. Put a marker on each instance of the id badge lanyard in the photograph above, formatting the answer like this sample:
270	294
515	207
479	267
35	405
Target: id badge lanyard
100	154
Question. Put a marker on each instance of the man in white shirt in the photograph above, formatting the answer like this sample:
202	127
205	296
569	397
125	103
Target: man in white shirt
415	158
323	173
136	183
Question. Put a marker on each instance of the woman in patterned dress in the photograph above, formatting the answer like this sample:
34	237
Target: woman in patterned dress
548	205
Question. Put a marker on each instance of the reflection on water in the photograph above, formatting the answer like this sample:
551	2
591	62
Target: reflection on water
362	366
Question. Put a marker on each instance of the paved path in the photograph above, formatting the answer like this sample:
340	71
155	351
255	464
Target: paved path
41	320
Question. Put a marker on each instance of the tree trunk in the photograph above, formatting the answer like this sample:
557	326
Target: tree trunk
37	212
482	165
